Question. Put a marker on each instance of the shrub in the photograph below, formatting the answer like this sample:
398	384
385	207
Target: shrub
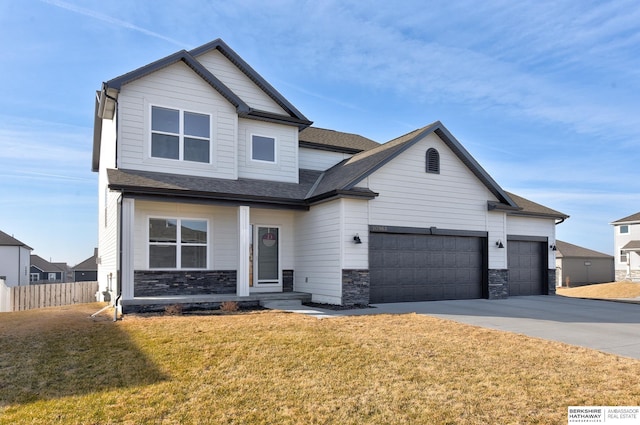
173	310
229	306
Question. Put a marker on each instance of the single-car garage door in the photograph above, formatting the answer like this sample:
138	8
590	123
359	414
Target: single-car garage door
525	263
424	267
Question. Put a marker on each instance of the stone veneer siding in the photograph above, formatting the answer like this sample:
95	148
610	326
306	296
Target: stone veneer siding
355	287
287	280
498	284
551	276
149	283
621	275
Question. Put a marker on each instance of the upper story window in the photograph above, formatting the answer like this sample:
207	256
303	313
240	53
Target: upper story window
433	161
263	148
176	243
624	229
180	135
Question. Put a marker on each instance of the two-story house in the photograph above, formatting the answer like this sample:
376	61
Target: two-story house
212	186
626	236
42	271
14	260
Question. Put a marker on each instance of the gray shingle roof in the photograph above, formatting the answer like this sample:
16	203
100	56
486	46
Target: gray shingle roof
44	265
531	208
321	138
567	250
631	246
628	219
7	240
88	264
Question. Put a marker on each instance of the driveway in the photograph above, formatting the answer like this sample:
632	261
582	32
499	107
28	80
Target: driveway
612	327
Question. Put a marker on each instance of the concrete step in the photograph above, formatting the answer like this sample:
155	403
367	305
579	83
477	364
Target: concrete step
281	304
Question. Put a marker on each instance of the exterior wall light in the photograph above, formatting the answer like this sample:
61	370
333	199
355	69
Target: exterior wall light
499	244
356	239
552	247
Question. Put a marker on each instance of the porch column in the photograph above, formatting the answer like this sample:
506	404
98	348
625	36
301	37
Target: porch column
127	234
244	242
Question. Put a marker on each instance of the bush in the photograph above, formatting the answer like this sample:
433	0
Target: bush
229	306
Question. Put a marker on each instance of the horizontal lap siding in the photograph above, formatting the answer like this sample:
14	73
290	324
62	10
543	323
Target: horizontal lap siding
316	159
175	86
356	219
409	196
238	82
317	257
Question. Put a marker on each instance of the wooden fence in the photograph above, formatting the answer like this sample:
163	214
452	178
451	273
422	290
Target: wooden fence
27	297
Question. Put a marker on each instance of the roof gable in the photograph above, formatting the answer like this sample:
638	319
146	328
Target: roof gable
43	265
352	171
629	219
7	240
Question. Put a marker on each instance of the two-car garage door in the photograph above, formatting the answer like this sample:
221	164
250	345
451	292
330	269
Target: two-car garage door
425	267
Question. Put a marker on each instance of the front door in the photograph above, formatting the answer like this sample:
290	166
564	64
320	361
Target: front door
266	257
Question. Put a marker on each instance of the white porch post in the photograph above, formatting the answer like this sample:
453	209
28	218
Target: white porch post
127	234
244	241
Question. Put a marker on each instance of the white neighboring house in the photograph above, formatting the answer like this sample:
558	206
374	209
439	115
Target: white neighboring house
626	236
14	260
212	186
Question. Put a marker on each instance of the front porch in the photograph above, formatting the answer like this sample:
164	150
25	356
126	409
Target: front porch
207	302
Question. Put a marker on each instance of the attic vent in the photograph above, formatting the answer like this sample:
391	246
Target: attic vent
433	161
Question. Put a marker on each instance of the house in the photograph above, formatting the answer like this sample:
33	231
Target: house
213	186
14	260
87	270
43	271
577	266
626	236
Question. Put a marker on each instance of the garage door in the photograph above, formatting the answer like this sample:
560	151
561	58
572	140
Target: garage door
525	263
419	267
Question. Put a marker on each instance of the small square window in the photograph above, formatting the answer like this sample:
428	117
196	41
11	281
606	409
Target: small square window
263	148
624	229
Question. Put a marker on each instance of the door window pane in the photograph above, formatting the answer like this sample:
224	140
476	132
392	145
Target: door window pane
268	244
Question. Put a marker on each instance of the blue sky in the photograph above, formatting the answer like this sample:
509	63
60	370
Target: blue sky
544	94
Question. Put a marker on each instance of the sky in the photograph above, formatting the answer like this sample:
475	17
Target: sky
544	94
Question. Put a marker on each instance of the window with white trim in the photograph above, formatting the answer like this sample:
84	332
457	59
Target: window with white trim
178	243
624	229
624	257
180	135
263	148
34	277
52	277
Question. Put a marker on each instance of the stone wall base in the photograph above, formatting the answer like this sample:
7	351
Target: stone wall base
498	284
165	283
355	287
621	275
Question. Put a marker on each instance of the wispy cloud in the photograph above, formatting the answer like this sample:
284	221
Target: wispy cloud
111	20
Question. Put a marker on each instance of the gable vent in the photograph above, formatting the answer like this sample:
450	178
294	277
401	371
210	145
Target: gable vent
433	161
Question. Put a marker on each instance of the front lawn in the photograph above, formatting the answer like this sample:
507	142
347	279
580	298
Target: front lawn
611	290
59	366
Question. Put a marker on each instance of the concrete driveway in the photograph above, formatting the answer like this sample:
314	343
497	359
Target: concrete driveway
612	327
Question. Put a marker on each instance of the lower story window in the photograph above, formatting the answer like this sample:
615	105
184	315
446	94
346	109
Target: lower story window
177	243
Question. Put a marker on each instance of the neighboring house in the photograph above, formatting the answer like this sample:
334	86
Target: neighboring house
577	266
87	271
43	271
626	236
213	186
14	260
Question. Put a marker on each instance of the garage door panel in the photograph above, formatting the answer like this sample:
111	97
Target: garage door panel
413	267
525	264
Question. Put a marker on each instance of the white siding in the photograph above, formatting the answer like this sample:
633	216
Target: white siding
497	227
107	212
14	265
318	260
453	199
621	239
527	226
356	219
285	168
175	86
238	82
316	159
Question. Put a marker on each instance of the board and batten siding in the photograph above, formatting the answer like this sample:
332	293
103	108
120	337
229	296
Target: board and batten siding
319	160
318	252
175	86
285	168
238	82
409	196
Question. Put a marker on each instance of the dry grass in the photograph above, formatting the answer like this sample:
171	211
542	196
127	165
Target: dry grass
603	290
59	366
